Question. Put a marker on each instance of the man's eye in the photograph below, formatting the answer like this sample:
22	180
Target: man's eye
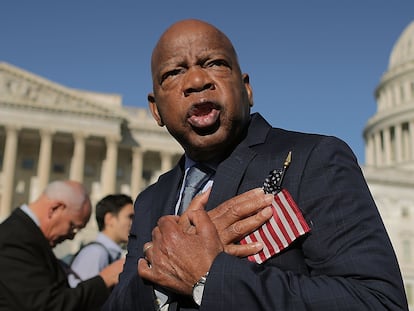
218	62
169	74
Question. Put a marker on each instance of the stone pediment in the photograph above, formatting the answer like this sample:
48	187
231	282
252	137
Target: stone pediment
25	90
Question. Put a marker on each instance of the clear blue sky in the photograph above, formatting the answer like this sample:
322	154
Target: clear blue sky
313	64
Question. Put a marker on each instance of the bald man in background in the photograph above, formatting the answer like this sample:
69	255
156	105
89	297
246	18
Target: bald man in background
32	278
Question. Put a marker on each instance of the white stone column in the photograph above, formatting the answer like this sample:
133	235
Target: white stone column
369	150
136	174
398	143
166	161
108	178
387	146
9	166
78	157
378	149
45	157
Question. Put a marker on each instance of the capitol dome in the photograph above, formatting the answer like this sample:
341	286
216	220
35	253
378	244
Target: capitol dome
403	51
389	153
389	134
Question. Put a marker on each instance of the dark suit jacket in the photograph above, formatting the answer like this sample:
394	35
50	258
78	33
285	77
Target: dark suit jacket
31	277
346	262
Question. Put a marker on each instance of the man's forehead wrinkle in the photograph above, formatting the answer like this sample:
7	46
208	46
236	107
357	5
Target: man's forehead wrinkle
183	54
193	57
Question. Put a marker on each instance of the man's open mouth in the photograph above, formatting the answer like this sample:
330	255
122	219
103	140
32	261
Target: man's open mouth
204	118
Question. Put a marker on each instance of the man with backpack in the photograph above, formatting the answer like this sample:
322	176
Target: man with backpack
114	214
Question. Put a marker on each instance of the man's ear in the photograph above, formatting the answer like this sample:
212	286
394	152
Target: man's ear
108	219
249	90
54	207
154	109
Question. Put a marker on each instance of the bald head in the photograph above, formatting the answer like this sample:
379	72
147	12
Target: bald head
71	192
182	32
62	210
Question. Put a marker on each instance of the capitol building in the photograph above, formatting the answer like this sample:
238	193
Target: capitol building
49	132
389	153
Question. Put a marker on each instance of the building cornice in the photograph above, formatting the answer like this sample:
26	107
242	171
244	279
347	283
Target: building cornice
28	91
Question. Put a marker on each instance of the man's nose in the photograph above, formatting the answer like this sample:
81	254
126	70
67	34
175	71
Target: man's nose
197	80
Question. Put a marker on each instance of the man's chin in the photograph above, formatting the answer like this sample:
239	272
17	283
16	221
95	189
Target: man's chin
209	149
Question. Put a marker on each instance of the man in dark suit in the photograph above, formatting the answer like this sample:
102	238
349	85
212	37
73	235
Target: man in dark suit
31	277
345	262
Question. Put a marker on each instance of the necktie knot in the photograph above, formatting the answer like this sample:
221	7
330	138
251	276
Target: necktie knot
197	177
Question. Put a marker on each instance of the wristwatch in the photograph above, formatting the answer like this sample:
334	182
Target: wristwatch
198	289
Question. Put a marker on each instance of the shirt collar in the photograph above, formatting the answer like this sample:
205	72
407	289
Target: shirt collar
26	209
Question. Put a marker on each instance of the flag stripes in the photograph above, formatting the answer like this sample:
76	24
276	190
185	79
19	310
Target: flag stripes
285	226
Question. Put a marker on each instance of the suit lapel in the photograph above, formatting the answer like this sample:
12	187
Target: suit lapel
230	172
167	188
229	175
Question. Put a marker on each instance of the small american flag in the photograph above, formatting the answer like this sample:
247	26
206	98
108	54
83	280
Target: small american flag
286	224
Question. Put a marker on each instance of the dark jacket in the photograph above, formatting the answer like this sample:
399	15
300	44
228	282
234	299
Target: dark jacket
346	262
31	277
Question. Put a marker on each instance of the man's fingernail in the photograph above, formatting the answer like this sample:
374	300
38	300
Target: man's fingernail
267	211
258	246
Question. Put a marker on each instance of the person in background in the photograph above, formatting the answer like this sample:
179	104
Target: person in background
114	214
31	277
177	260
